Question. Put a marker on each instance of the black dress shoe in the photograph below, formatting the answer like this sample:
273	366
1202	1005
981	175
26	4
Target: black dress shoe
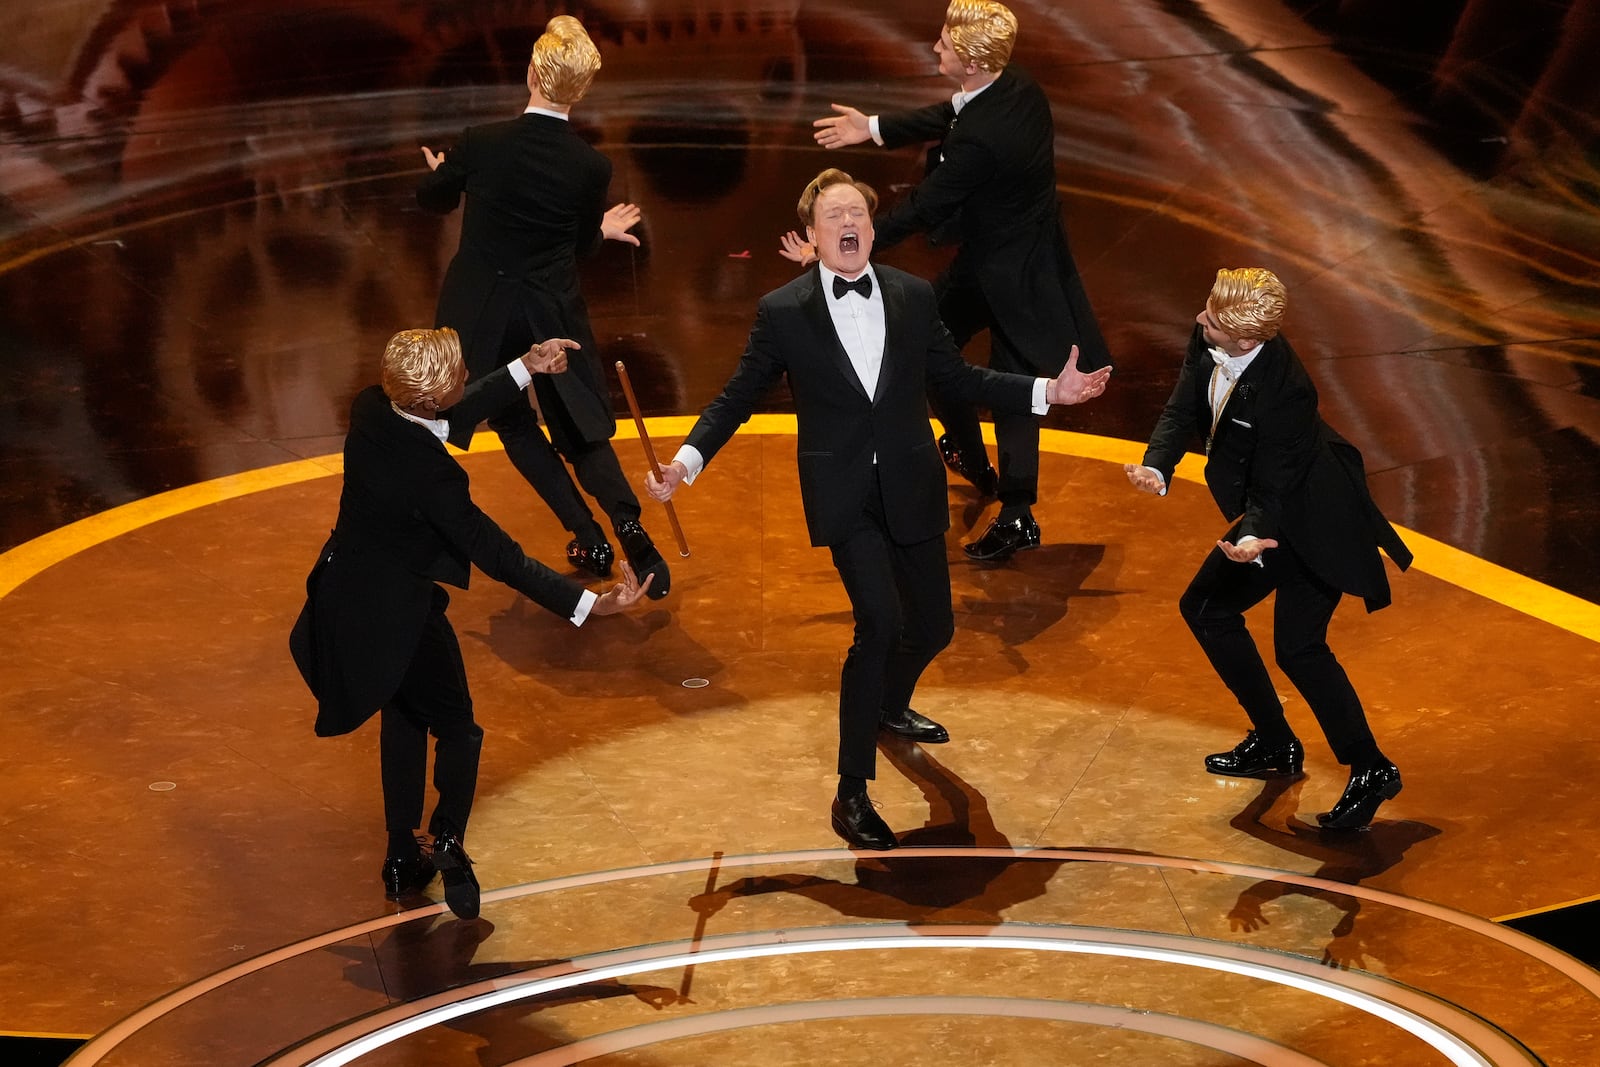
1367	789
1002	540
1251	758
855	820
644	557
984	479
913	726
595	558
460	884
403	876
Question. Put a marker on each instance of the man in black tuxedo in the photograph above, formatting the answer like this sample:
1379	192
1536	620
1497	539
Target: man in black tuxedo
991	185
535	195
861	345
1304	528
373	634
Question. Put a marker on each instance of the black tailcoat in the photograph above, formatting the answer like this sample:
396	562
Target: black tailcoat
406	521
992	184
535	196
1278	469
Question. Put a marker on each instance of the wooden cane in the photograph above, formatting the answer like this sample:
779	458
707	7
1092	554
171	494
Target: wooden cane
650	455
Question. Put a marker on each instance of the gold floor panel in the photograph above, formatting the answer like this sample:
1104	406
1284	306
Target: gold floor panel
172	816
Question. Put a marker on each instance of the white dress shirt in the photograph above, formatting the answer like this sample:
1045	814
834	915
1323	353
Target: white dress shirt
858	321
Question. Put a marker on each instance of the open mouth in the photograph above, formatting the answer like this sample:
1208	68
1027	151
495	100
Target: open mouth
849	243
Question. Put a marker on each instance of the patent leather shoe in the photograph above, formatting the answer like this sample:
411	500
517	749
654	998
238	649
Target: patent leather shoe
1367	789
460	884
645	558
1253	758
595	558
855	820
984	480
403	876
913	726
1002	540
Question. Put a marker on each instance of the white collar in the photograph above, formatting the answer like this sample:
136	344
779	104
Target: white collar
440	428
1233	366
962	98
562	115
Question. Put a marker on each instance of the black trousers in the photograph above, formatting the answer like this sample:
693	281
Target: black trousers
966	313
540	462
900	599
1214	607
432	698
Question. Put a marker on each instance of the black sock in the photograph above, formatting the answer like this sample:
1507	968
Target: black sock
402	845
1013	512
1367	763
851	786
589	533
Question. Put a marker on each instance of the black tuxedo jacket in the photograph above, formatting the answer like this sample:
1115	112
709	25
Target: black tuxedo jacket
406	521
1279	470
996	187
535	195
840	427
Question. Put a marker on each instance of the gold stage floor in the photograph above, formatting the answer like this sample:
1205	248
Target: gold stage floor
1075	888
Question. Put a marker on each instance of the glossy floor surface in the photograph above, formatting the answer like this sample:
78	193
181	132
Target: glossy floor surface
207	231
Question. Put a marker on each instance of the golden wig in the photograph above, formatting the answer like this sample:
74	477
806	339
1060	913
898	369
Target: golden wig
1248	302
422	365
564	61
983	33
807	207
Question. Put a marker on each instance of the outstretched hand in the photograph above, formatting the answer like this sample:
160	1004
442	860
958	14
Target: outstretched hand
1144	479
433	158
1072	386
624	595
796	248
664	481
1248	552
618	220
549	356
848	127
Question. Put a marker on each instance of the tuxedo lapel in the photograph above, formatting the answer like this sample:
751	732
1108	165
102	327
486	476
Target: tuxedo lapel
893	327
814	301
1265	374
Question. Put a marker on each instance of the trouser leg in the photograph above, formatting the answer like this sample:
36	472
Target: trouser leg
1301	612
1214	606
433	698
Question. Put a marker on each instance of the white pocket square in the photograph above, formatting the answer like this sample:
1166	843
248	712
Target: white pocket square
1241	422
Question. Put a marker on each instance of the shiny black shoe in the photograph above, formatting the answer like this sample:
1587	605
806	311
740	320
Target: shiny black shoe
985	481
1251	758
403	876
913	727
644	558
595	558
855	820
460	884
1002	540
1367	789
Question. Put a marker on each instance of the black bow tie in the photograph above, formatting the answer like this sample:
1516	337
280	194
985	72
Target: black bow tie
862	285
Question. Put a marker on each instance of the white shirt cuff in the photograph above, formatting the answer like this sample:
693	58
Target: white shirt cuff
585	602
519	373
1040	404
692	460
872	128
